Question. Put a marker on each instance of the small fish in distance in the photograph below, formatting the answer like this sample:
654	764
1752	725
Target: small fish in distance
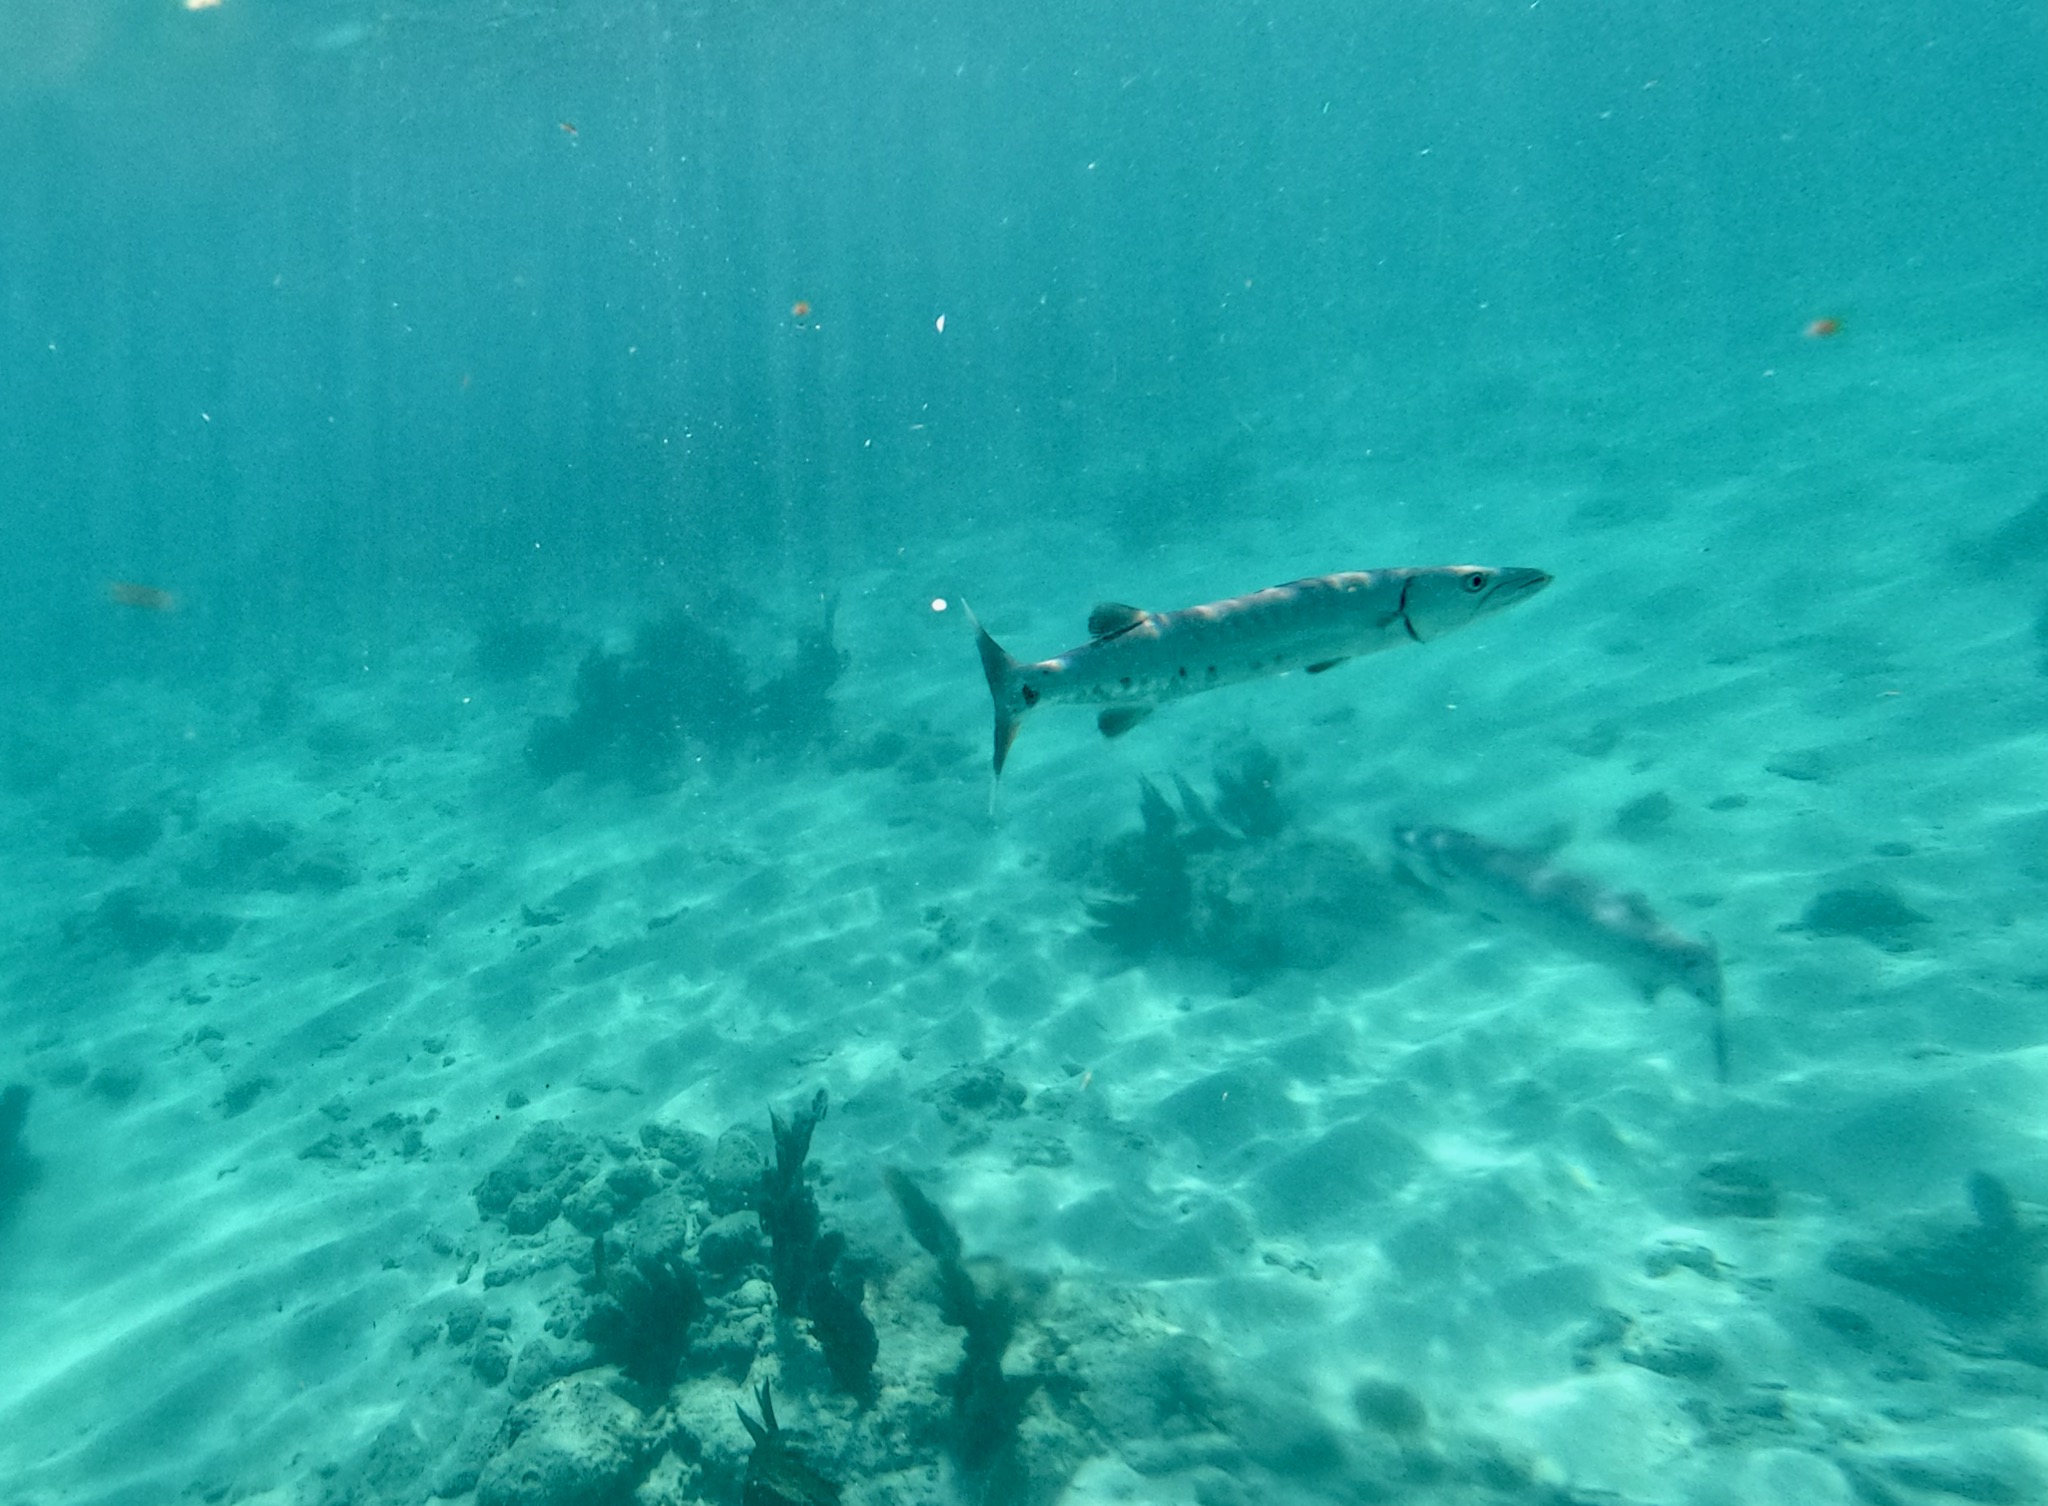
1134	660
143	598
1572	911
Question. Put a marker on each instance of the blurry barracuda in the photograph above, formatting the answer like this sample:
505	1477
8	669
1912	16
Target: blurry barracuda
1574	912
1134	660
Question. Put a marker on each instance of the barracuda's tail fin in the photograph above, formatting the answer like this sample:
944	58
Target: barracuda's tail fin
1005	688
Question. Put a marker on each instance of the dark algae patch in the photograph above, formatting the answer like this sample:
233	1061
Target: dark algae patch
810	1278
1986	1268
641	1320
682	688
1867	912
776	1472
987	1402
1231	882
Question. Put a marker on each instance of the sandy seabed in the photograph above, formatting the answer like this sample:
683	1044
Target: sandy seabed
1329	1193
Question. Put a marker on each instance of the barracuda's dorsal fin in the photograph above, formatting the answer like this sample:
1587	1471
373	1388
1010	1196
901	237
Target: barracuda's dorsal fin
1118	720
1112	617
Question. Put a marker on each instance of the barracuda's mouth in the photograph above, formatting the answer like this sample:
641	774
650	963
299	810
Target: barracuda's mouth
1515	582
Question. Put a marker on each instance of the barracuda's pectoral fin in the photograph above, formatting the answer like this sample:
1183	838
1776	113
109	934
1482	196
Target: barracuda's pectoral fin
1118	720
1111	618
1316	669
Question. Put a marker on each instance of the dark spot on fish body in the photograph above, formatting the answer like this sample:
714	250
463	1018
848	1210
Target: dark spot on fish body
1126	682
1212	671
1030	696
1182	671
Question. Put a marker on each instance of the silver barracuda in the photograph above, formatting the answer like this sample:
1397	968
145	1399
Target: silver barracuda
1572	911
1135	661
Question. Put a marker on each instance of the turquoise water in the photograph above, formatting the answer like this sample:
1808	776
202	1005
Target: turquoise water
492	497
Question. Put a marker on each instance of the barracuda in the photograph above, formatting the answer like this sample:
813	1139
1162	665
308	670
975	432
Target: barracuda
1135	661
1572	911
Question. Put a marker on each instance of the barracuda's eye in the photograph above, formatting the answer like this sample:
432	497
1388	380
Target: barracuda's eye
1476	581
